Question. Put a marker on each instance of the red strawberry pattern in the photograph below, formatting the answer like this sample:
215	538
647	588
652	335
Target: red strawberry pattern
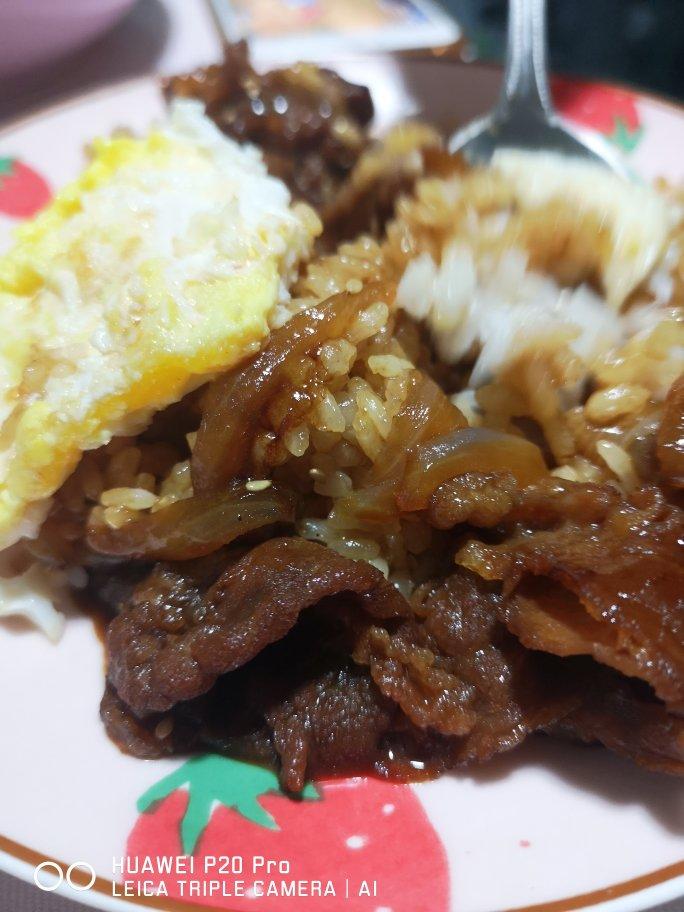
371	839
608	109
23	191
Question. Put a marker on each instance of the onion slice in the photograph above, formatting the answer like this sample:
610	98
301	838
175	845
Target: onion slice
234	403
196	526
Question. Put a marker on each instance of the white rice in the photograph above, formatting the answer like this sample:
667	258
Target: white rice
33	596
501	307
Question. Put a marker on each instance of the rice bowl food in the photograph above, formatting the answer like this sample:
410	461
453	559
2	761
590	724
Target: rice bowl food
379	470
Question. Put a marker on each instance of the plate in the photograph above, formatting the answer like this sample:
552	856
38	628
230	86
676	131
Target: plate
550	827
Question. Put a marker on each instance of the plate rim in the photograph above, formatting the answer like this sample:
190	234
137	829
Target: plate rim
18	860
662	885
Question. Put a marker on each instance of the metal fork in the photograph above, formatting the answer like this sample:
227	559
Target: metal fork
524	116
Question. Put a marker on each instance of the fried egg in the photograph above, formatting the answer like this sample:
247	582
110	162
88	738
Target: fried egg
156	269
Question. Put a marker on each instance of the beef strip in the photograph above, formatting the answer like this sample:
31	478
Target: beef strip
622	714
308	121
300	706
619	593
455	669
294	698
173	641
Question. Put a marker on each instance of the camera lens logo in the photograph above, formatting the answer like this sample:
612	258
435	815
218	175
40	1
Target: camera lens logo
49	876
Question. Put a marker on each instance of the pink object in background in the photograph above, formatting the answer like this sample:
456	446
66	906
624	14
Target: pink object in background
34	32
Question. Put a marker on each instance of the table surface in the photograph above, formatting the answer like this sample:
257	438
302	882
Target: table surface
158	36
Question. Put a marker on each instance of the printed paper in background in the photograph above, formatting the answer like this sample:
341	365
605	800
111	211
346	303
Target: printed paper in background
313	29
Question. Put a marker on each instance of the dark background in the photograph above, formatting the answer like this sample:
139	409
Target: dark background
638	42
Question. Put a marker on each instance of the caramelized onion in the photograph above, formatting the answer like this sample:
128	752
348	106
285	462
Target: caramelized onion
426	413
234	403
196	526
467	450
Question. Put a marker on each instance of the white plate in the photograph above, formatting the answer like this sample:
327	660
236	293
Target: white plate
551	827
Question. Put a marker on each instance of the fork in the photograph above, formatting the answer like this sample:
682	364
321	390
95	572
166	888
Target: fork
524	116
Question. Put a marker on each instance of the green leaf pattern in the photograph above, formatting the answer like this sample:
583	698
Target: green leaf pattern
212	780
624	137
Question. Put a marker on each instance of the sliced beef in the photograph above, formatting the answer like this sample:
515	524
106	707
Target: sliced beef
622	714
308	121
454	669
617	588
173	641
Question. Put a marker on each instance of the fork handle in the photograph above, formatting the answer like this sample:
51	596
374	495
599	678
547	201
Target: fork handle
525	87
